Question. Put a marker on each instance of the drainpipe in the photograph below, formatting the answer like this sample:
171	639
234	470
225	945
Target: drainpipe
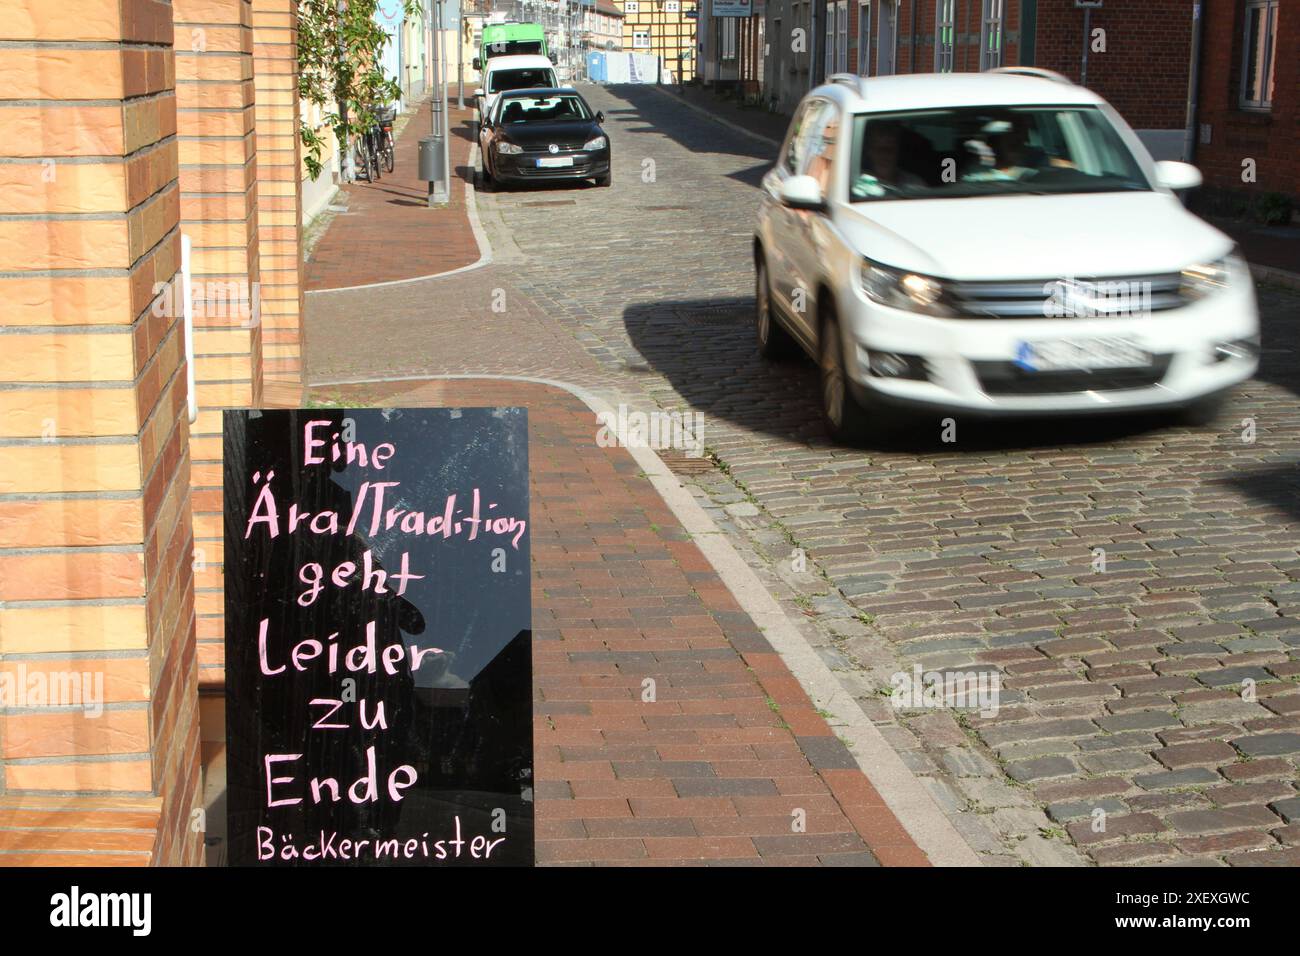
911	63
1193	83
187	309
814	44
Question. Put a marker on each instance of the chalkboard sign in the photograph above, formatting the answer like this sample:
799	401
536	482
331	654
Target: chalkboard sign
378	637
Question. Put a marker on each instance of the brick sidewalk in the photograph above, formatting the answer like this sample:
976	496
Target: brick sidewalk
715	770
388	231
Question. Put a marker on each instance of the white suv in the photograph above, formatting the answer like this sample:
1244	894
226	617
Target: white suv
992	243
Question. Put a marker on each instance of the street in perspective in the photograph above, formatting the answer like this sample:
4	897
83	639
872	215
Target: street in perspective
672	433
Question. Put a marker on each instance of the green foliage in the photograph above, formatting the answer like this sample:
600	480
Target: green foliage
1273	209
340	49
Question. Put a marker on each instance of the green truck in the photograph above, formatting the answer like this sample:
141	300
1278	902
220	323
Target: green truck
511	39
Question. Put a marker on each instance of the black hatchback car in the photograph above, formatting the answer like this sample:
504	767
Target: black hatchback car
543	134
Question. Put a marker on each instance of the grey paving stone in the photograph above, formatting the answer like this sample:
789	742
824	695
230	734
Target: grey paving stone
1268	745
1170	779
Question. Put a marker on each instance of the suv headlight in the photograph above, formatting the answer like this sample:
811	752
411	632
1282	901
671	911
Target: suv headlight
508	149
1204	279
903	290
598	143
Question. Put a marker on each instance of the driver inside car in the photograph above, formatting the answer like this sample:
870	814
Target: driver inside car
881	170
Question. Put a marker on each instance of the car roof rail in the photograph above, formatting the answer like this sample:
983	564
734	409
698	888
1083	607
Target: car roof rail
1037	71
858	83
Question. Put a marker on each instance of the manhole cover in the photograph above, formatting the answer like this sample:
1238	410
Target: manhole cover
679	462
724	312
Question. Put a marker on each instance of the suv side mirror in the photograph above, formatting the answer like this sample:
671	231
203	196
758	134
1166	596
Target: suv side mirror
477	63
1177	176
600	119
803	192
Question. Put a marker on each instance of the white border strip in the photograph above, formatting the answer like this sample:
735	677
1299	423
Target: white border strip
902	792
480	238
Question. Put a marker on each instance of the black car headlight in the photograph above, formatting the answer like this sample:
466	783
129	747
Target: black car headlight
904	290
599	142
508	149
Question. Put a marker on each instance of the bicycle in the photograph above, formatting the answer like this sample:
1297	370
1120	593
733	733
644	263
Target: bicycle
365	164
384	134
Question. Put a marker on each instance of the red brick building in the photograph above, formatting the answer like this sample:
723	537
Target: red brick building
1248	109
1133	52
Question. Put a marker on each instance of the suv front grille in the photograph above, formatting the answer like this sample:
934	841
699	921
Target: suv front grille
1108	297
1008	378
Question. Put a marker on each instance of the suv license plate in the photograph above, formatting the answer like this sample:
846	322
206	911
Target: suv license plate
1081	354
551	161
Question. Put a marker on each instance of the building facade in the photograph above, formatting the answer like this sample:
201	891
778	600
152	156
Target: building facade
666	29
1246	137
145	143
602	25
1112	49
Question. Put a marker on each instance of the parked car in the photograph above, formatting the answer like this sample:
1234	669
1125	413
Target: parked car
546	134
996	243
504	73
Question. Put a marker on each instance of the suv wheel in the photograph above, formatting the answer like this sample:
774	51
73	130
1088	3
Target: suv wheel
774	342
846	420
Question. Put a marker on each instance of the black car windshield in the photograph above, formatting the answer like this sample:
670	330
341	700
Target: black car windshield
502	80
986	151
544	109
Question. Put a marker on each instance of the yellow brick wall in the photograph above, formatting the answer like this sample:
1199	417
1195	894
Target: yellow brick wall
95	526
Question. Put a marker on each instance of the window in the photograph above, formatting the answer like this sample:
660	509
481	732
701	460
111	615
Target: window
672	6
945	20
728	38
640	39
818	138
1259	50
988	151
842	36
864	38
632	6
991	35
501	80
828	63
793	154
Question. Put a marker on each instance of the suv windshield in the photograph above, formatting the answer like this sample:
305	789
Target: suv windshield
988	151
549	109
502	80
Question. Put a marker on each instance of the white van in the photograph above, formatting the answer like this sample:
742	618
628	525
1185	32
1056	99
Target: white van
502	73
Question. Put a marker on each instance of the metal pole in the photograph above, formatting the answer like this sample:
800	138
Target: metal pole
446	112
437	188
345	148
1087	30
460	54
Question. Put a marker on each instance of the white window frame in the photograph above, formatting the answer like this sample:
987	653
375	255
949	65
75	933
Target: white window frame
632	6
945	23
990	29
842	36
638	36
828	60
864	37
672	6
1264	70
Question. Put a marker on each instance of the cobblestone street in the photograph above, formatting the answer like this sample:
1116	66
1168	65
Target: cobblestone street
1134	585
